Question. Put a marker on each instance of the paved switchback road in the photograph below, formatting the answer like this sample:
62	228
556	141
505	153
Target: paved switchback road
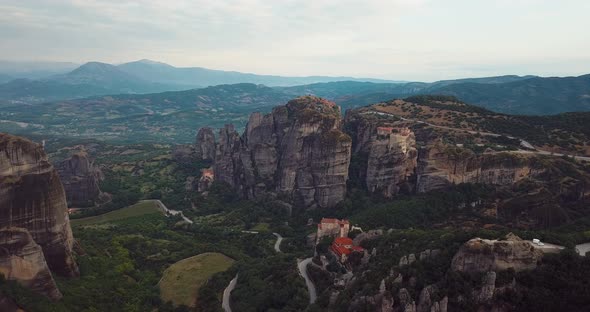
225	305
302	265
278	242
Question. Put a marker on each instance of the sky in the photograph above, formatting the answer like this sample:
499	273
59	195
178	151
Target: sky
422	40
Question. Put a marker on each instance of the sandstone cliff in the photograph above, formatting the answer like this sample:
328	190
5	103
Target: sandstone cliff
80	179
386	157
385	152
297	151
33	205
22	259
441	165
483	255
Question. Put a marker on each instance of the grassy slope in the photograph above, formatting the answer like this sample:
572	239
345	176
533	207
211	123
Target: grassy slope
141	208
182	280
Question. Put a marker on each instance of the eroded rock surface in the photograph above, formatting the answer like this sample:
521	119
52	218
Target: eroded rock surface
298	150
33	205
80	179
483	255
442	165
384	152
22	259
205	144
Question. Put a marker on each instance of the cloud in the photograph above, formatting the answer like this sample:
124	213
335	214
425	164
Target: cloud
398	39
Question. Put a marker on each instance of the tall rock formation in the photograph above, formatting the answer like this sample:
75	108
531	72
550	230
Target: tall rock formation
391	160
384	152
298	150
33	214
80	179
205	144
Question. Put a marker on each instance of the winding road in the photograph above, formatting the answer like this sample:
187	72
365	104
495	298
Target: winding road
581	249
171	212
278	242
227	293
302	265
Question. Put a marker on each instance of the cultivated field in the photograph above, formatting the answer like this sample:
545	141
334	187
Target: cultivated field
182	280
139	209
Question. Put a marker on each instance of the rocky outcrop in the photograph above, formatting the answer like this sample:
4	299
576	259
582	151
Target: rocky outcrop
366	236
21	259
298	151
441	165
385	152
33	205
483	255
407	304
184	154
391	160
424	255
205	144
426	302
80	179
486	293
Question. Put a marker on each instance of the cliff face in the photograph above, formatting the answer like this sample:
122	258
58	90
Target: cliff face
205	144
22	259
80	179
482	255
33	202
391	160
385	152
297	150
441	165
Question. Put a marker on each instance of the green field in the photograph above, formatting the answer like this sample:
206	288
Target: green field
261	227
182	280
139	209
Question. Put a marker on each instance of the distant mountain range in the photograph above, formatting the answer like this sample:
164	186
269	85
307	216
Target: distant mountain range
164	73
90	79
524	95
507	94
34	69
144	76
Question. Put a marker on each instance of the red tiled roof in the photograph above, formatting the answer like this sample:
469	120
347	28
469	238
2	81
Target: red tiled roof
343	241
341	250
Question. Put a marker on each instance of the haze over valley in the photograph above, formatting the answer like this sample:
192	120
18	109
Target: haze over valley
389	156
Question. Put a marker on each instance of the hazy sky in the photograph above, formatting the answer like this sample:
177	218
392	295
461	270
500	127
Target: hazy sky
395	39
